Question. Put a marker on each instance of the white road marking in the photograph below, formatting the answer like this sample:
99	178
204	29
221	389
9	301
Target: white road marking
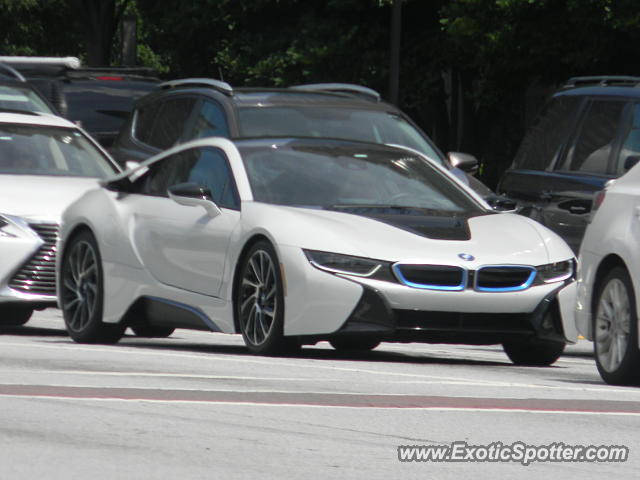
134	350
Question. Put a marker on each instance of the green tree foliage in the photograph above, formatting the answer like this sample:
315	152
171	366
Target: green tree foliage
468	67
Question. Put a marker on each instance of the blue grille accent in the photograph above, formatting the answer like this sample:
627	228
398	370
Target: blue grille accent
432	277
504	278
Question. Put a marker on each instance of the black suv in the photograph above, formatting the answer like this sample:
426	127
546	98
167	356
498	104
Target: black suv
183	110
98	99
587	134
16	94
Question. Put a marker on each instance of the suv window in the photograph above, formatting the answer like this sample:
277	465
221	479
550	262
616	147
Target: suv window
145	116
210	121
205	166
168	125
547	135
630	141
594	142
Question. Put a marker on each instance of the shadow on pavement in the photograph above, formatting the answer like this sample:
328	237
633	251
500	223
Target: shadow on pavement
27	331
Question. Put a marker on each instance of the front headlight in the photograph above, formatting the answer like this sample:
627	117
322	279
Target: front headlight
349	265
8	227
556	272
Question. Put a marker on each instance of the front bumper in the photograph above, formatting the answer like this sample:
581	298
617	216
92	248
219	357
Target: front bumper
27	270
374	316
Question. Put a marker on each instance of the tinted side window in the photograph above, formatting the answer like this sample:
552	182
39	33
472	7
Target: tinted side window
170	122
547	135
630	141
210	168
161	176
592	147
145	117
205	166
210	121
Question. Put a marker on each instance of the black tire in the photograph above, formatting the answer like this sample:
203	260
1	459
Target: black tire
533	353
151	331
82	293
611	322
259	301
354	344
14	315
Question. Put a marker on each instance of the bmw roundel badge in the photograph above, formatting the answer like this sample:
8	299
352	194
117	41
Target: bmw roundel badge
466	256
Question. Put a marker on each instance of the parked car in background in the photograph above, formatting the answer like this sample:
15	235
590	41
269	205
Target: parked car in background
609	281
46	163
16	94
188	109
98	99
588	134
286	242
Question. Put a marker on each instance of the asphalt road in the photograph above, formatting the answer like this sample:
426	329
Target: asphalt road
197	405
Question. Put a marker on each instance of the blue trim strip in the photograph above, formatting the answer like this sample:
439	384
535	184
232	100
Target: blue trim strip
517	288
445	288
196	311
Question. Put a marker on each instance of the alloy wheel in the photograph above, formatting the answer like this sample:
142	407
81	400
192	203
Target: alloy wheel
80	285
258	304
612	325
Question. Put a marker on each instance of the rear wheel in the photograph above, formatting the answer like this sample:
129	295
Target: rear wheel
533	353
259	301
14	315
615	330
151	331
352	344
82	293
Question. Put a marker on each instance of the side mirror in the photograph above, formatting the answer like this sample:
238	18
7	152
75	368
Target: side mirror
502	204
464	161
194	195
631	162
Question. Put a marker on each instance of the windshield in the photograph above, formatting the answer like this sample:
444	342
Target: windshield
331	175
41	150
334	122
23	99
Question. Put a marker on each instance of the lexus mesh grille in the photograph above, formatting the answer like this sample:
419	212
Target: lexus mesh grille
38	275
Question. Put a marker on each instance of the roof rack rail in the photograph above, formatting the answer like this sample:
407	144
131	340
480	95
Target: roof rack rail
602	81
349	88
67	62
12	73
218	85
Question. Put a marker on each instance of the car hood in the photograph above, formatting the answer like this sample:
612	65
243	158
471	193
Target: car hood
34	196
489	238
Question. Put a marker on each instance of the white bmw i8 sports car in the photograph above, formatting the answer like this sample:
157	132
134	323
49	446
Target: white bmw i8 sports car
293	241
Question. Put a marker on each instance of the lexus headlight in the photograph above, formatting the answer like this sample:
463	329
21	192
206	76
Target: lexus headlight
8	227
556	272
349	265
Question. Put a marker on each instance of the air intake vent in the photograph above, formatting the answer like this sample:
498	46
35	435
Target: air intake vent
504	278
431	277
38	275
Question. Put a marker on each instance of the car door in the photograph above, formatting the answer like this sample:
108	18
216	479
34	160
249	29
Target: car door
565	158
186	246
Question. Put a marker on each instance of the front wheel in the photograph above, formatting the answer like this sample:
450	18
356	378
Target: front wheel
259	301
615	330
533	353
82	293
14	315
